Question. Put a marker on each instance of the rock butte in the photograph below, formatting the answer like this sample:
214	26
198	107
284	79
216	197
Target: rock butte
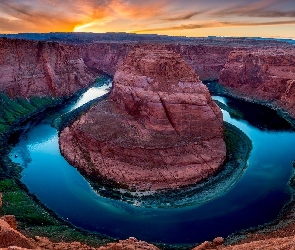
160	128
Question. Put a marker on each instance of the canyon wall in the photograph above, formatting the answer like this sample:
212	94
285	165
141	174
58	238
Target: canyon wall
29	68
206	60
266	75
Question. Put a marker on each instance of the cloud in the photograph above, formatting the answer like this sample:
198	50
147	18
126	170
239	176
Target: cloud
182	17
20	17
215	24
126	15
264	9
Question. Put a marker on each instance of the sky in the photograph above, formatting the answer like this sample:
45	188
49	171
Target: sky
196	18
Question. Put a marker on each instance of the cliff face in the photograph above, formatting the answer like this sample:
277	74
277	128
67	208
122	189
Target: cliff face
29	68
266	75
206	61
163	92
159	130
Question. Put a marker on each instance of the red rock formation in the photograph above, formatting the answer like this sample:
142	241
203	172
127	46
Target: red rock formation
29	68
207	61
11	239
131	243
266	244
263	75
160	130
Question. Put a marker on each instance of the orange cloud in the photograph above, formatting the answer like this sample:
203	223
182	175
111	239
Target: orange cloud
214	24
131	15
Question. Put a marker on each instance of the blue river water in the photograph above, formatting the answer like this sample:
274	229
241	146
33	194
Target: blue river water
256	198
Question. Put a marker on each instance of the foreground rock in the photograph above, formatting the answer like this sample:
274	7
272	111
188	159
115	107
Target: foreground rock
10	238
29	68
263	75
276	243
160	128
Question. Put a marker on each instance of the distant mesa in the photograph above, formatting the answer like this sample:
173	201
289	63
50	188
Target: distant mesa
159	129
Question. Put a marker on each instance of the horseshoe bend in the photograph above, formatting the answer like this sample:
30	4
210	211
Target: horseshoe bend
159	128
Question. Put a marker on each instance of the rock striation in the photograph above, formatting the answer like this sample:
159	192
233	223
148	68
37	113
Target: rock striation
31	68
159	129
206	60
264	75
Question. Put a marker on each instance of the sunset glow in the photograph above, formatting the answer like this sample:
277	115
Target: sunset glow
265	18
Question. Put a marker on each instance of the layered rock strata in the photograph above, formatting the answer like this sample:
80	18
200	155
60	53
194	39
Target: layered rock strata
263	75
206	60
29	68
160	128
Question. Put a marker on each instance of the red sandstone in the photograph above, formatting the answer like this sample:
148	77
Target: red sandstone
263	75
161	129
29	68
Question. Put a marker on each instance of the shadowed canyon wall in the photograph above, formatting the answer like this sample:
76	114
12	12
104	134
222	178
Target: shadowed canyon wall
265	75
29	68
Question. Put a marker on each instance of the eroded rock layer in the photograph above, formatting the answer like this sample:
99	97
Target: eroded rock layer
206	60
264	75
160	128
29	68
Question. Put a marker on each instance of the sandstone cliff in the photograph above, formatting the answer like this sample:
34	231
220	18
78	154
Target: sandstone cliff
206	60
160	129
29	68
263	75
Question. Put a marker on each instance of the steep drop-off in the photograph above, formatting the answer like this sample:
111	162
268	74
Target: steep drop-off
29	68
160	128
263	75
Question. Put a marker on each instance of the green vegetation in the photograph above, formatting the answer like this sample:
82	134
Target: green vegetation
15	111
13	114
33	217
238	144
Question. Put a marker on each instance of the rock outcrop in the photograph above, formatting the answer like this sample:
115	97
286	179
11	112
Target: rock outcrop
29	68
263	75
160	129
206	60
11	239
9	236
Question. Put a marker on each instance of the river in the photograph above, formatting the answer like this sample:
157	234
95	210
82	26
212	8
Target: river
257	197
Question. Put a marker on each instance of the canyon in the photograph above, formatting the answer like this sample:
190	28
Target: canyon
250	70
159	129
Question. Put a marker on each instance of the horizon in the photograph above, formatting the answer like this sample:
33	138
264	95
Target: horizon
199	18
